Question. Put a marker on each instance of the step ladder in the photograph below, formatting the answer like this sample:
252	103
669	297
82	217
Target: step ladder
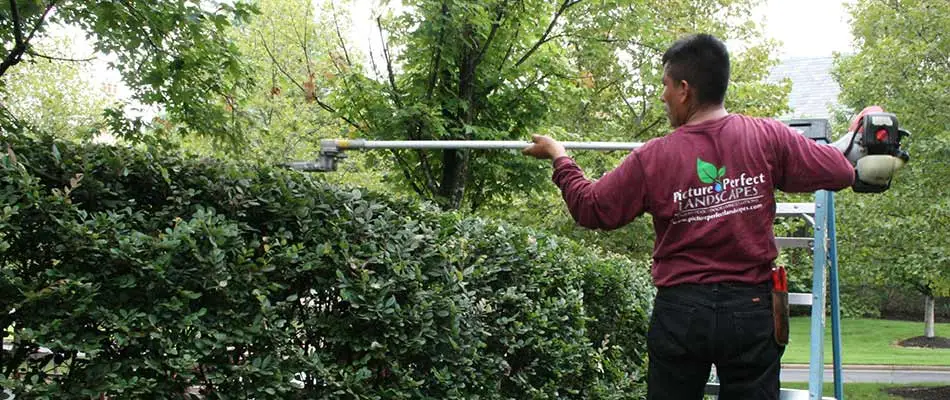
820	214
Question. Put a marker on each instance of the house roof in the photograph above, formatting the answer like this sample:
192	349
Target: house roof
814	92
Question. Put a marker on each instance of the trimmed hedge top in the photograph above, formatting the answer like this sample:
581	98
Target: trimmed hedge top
150	274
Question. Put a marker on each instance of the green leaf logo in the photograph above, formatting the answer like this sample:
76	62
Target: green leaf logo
708	173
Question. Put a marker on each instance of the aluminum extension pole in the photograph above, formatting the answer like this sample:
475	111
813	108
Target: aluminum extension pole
331	150
343	144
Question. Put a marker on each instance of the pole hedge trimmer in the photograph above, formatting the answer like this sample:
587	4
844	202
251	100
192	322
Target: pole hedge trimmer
872	145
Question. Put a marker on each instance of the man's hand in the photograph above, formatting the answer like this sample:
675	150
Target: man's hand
544	148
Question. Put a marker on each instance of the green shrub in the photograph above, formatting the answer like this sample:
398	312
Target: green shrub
147	274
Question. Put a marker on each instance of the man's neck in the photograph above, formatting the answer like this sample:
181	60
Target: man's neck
707	113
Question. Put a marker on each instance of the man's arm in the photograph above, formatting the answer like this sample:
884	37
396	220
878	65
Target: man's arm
611	202
805	165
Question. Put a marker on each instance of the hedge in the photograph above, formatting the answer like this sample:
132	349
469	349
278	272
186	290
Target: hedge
149	274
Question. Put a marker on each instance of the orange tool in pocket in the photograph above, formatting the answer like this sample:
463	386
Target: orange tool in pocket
780	304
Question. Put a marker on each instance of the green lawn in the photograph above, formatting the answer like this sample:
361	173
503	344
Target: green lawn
867	341
856	391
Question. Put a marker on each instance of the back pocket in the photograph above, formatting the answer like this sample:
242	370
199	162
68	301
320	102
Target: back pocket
672	329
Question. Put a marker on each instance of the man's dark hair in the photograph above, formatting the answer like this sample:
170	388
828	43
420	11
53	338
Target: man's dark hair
703	62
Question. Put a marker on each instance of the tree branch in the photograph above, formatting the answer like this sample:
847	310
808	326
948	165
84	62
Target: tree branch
53	58
437	57
627	41
404	166
523	90
6	111
17	358
21	45
142	24
427	171
544	38
336	23
36	27
389	63
343	74
602	89
277	64
511	47
372	60
17	29
644	130
643	104
323	105
305	41
424	158
491	34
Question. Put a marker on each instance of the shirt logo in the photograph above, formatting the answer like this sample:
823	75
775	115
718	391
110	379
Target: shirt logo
708	173
720	196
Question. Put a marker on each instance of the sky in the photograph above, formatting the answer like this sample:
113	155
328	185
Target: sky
805	28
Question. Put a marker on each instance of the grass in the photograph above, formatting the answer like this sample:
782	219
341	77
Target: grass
857	391
867	341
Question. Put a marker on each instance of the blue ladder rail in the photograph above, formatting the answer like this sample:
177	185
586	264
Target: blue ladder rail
825	257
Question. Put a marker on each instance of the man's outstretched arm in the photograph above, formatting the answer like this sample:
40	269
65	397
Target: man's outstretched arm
609	203
807	166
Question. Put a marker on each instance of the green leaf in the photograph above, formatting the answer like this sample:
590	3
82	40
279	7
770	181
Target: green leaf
722	171
706	171
56	154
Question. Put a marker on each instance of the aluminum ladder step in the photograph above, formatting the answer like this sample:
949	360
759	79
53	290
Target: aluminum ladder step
794	209
794	242
800	299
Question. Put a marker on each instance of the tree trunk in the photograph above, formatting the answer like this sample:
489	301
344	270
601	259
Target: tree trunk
454	169
929	317
455	163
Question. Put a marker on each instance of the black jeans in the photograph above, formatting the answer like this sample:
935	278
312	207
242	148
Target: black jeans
729	325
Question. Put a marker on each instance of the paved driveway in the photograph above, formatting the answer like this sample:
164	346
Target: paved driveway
872	373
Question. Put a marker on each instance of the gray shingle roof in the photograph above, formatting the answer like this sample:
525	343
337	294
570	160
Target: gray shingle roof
814	92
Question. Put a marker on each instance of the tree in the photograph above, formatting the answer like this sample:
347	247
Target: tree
171	53
903	64
502	70
54	94
288	48
286	54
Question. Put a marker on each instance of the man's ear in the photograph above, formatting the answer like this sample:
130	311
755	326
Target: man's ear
683	92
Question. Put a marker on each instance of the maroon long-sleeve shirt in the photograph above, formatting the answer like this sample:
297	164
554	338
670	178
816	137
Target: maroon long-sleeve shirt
710	190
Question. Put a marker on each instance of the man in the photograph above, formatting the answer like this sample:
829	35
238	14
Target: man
709	187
